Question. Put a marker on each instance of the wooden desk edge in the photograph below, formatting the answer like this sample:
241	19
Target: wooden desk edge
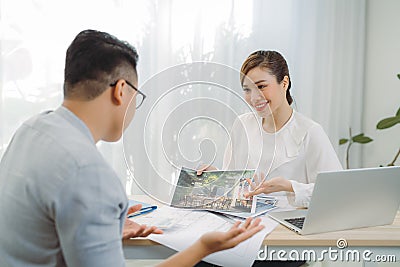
139	242
332	243
290	243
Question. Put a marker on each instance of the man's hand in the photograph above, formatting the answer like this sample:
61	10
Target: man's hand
216	241
132	229
276	184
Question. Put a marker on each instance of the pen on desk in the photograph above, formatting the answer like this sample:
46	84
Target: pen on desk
142	211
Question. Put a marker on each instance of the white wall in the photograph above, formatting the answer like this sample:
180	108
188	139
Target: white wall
382	87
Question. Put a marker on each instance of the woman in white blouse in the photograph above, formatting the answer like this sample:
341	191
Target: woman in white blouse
289	147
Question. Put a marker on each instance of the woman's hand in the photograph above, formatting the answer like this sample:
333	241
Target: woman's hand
260	185
205	167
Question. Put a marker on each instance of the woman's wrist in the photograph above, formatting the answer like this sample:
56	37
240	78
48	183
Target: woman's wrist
198	250
288	186
188	257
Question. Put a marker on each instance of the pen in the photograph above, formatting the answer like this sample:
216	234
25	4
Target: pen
142	211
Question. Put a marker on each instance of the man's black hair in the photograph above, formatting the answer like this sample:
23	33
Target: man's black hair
93	61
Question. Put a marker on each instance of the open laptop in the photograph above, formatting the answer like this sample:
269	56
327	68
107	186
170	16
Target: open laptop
347	199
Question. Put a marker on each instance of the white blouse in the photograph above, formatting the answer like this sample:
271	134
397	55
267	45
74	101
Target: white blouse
297	152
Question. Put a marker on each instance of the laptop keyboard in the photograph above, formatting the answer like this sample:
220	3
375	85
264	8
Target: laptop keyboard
298	222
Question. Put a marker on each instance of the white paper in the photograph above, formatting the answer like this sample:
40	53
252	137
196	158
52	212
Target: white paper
183	227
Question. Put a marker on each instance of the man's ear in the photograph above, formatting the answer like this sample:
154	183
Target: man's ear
116	93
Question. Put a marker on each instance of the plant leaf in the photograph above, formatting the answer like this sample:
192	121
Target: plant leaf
343	141
362	139
388	122
398	75
398	112
357	136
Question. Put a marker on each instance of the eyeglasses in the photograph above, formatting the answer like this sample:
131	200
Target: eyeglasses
139	96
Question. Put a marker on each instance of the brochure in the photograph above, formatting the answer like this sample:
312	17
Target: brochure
261	208
218	191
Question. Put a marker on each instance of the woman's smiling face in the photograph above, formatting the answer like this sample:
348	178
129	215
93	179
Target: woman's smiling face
263	92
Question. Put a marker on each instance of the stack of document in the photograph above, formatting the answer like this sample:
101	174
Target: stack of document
183	226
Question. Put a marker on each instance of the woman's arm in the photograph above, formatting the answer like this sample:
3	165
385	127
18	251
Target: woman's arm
212	242
276	184
320	157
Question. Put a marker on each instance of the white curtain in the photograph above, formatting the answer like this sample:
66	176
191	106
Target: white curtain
322	40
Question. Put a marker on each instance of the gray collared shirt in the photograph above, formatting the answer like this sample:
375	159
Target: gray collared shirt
61	204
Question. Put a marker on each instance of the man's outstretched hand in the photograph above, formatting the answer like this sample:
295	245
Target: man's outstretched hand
132	229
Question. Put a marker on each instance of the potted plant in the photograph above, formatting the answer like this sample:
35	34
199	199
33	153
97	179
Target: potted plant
362	139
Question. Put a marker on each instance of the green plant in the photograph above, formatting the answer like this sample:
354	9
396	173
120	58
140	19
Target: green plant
359	138
362	139
390	122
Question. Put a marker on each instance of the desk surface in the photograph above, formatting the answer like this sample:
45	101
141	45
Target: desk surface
387	235
379	236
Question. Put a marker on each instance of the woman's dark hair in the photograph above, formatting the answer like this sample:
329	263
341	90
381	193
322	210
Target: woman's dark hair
94	59
272	61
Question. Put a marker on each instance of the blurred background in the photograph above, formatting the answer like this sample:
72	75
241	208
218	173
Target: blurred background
343	57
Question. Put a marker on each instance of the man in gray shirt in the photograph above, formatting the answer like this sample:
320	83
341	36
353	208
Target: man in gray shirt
61	204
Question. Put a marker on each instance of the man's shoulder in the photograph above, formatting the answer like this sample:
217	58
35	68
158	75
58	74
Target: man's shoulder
58	149
62	138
